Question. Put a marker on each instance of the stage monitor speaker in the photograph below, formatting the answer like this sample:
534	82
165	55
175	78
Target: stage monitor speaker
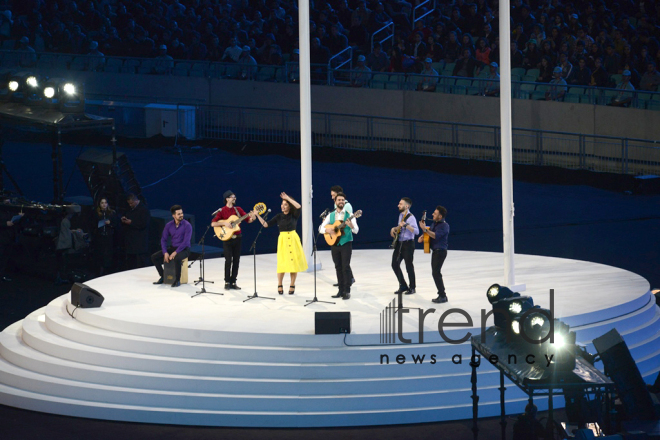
85	297
96	168
332	323
621	368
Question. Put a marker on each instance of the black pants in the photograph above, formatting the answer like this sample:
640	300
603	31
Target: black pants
341	256
158	259
437	259
404	251
232	251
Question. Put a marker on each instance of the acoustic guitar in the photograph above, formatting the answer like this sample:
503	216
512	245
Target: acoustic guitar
225	233
397	231
334	231
427	238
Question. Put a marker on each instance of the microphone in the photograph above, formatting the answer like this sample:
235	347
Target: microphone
217	211
266	215
322	216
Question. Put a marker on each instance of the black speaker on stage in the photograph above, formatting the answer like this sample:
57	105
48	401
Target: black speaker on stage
85	297
332	323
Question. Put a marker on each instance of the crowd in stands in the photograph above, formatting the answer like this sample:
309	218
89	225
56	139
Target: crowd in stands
595	43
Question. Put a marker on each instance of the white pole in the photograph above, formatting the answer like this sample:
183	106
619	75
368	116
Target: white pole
305	130
506	141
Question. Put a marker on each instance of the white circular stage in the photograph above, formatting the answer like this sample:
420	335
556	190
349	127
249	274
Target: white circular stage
155	354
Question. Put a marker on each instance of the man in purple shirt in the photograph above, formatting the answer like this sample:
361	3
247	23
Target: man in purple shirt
180	232
404	247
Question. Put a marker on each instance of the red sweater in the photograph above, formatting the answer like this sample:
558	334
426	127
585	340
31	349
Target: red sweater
226	212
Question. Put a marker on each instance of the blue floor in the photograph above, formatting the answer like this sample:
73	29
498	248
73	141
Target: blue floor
576	222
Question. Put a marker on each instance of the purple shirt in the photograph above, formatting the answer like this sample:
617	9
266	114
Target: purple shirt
180	236
405	233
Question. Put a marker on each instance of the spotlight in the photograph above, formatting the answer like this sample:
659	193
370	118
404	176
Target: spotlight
497	293
13	85
32	81
67	96
505	310
19	85
537	325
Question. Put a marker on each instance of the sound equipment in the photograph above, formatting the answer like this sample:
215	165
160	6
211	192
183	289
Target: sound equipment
621	368
169	272
334	231
96	168
225	233
332	323
85	297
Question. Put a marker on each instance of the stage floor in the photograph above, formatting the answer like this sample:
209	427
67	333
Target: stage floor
157	354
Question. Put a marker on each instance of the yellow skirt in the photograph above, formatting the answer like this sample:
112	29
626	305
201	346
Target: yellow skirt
290	256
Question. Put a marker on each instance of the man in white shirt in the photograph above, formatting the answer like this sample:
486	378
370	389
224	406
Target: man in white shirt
343	247
336	189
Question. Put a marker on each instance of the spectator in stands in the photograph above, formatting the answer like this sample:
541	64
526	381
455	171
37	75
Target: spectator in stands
357	33
163	63
516	56
379	17
96	59
492	86
377	60
433	49
361	74
5	25
197	49
483	51
363	11
247	65
599	76
531	56
651	78
466	65
452	48
611	60
548	52
336	41
582	76
232	52
418	50
566	67
557	89
467	42
275	58
179	51
429	77
635	77
625	90
545	71
28	57
579	52
319	54
396	61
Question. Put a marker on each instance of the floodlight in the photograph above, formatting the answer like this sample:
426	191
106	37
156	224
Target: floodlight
497	293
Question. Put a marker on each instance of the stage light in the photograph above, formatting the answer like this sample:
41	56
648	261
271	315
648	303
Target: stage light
32	81
67	96
13	85
537	324
69	89
505	310
497	293
515	326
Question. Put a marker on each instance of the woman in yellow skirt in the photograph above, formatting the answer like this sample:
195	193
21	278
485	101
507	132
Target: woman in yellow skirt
290	256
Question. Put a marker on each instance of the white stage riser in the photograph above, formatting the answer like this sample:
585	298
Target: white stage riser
152	354
180	366
36	402
87	335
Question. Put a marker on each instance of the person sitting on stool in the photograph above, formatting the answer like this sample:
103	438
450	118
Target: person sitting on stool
180	231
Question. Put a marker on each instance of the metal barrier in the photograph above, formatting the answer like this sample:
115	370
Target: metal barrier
388	27
467	141
414	12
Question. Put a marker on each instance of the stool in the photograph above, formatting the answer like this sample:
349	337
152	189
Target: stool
184	272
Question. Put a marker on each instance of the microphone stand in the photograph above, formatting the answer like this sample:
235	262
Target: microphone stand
254	259
315	300
202	268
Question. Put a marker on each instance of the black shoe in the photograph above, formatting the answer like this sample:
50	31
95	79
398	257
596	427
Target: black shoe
227	286
233	286
176	284
401	290
410	291
335	285
338	295
352	281
346	296
440	299
160	281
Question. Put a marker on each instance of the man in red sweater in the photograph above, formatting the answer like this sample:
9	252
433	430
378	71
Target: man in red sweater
232	247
